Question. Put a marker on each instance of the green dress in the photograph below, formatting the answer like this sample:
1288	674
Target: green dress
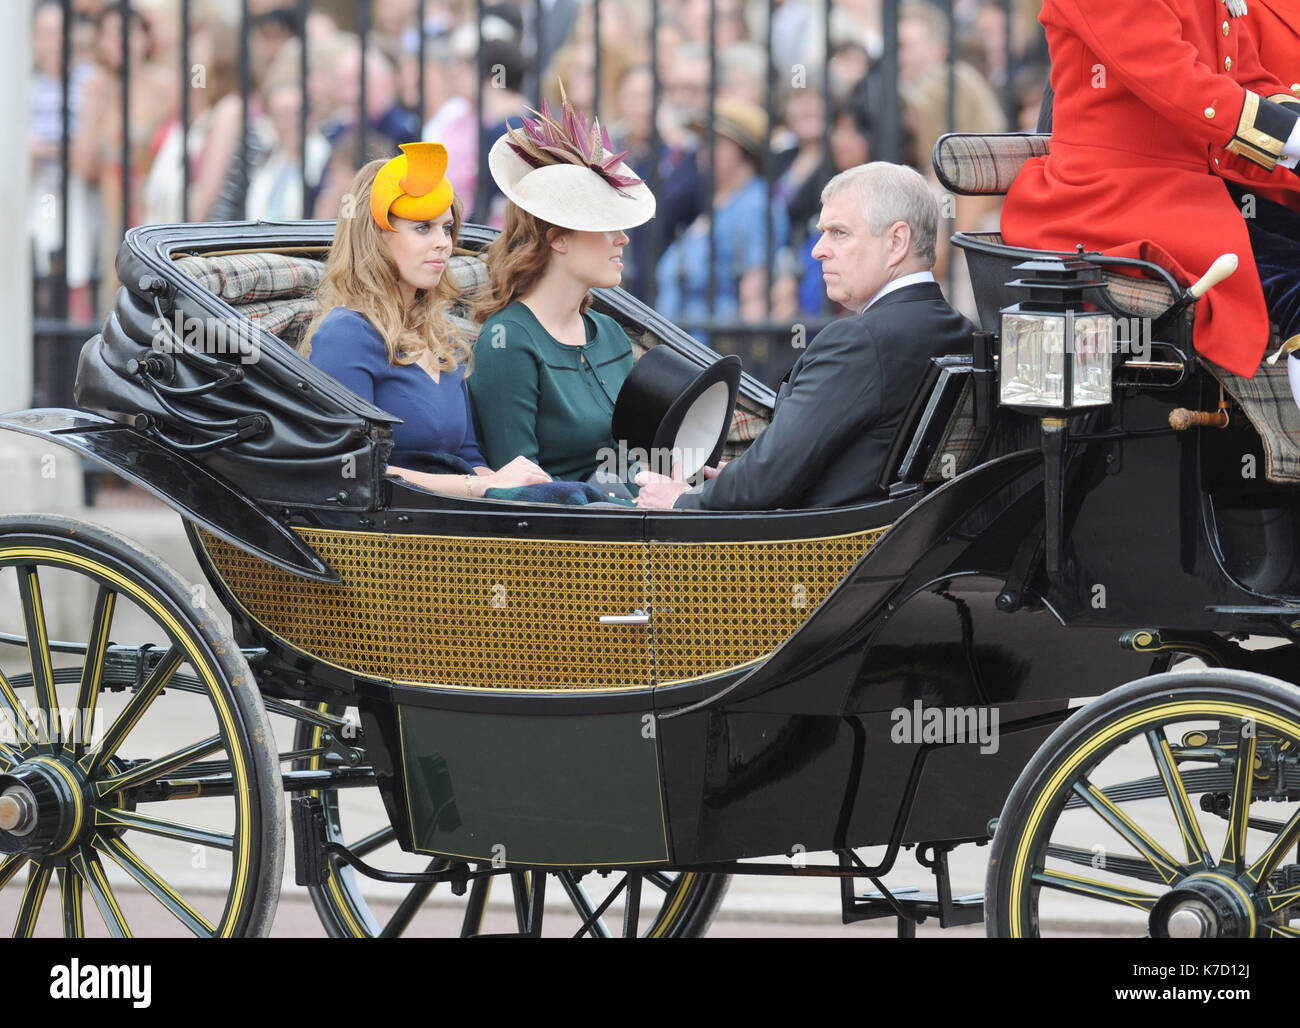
536	397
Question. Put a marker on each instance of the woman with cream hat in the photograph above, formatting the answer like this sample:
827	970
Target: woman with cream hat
383	330
548	369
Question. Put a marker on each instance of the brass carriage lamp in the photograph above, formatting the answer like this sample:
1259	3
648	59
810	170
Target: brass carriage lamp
1057	346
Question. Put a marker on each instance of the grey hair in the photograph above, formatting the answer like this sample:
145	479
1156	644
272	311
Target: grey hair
890	193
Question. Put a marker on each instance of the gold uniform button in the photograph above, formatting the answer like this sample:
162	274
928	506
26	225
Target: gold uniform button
1295	88
1227	64
1209	112
1225	28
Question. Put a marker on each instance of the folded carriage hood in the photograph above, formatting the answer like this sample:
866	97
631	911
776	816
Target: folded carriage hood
183	484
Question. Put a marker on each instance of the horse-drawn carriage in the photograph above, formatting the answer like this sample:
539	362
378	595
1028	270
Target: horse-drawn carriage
610	711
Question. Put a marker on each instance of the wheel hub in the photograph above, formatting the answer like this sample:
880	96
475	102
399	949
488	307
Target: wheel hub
42	806
1204	906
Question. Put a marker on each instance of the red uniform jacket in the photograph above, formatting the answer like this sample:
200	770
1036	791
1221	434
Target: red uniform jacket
1149	96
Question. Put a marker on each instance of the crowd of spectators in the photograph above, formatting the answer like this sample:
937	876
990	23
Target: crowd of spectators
717	250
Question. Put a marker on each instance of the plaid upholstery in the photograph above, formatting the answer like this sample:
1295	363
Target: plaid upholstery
1144	297
249	277
961	439
1270	407
984	165
287	319
469	272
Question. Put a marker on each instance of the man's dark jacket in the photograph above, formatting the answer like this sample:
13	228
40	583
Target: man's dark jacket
838	409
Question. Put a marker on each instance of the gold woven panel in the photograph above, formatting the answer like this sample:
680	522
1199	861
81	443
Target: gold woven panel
719	605
451	610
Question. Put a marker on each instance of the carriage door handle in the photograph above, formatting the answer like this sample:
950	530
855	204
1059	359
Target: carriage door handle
637	617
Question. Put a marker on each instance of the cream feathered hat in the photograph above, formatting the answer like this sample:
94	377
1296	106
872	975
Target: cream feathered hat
564	173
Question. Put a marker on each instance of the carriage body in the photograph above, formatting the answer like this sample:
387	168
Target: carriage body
742	696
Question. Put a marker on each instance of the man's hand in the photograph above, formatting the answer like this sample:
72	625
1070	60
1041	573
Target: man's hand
714	472
658	492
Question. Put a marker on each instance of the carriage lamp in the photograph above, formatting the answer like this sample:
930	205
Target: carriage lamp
1057	346
1055	361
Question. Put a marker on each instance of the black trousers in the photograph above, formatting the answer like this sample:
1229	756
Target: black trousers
1275	242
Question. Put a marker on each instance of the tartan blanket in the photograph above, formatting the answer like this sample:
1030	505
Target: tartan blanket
1268	404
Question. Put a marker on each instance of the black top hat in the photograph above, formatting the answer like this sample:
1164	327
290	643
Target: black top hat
676	410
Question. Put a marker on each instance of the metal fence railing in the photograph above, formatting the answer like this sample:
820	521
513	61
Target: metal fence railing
129	124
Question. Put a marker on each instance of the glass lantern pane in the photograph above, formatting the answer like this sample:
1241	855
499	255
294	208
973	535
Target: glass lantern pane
1032	365
1094	342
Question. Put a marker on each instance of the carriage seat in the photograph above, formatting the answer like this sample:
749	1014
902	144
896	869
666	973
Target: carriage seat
277	292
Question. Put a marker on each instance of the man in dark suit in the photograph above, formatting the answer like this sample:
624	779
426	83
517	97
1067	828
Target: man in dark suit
838	408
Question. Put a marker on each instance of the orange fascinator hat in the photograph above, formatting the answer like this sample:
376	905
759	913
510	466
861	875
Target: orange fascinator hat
413	186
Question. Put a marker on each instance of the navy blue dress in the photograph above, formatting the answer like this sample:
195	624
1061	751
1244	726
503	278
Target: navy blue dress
435	416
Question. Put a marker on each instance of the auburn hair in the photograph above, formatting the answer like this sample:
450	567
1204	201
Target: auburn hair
361	275
517	260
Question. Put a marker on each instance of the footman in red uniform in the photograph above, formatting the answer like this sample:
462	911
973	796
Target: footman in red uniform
1158	105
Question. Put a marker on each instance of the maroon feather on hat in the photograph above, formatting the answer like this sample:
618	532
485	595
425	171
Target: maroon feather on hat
571	140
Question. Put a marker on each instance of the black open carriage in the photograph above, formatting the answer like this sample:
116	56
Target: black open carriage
624	707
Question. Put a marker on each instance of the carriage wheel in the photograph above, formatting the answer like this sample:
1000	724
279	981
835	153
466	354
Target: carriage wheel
1169	807
117	690
667	904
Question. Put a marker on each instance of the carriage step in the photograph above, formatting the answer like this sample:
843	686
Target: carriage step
310	864
917	906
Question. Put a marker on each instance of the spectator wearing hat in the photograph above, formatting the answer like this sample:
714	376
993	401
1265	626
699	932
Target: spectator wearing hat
549	369
717	268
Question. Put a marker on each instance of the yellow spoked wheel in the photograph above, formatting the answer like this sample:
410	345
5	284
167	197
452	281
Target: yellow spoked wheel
119	691
651	904
1169	807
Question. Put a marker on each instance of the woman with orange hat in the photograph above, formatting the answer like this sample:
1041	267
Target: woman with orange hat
548	368
383	328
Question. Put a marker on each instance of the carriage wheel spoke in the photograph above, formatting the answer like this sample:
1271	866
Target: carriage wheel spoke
1282	931
38	878
10	866
154	769
92	672
113	817
87	864
1234	846
74	923
38	650
133	710
632	905
1275	901
520	885
1197	851
1277	850
660	880
375	840
479	890
1094	890
9	756
1166	866
595	914
155	886
582	904
24	731
412	902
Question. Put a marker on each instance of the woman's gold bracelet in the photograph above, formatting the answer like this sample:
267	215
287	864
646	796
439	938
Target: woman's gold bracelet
469	486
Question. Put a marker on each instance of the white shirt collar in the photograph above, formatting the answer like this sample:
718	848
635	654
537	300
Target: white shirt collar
907	280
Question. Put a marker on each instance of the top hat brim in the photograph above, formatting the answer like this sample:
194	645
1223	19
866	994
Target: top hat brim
670	405
568	195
